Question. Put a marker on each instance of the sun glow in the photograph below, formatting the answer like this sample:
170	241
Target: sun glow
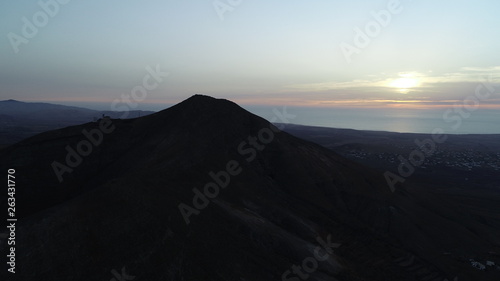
405	83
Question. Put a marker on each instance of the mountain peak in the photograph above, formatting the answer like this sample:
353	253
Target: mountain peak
206	116
200	97
204	100
205	108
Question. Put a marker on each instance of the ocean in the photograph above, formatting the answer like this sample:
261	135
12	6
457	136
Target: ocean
480	121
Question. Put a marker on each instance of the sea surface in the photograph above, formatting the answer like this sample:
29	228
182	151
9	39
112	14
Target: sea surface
480	121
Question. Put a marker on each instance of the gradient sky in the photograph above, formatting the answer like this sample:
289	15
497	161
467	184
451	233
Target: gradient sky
432	53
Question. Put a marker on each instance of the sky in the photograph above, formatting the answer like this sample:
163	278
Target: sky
379	54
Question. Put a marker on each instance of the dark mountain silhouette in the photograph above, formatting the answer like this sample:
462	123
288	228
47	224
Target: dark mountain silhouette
19	120
279	200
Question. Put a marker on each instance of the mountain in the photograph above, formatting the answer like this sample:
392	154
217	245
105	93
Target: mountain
19	120
205	190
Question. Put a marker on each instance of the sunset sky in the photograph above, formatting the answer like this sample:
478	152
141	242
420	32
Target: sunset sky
428	53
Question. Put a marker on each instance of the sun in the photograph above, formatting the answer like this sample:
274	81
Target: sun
404	84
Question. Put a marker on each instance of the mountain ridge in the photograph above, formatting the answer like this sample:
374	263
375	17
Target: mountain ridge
19	120
120	206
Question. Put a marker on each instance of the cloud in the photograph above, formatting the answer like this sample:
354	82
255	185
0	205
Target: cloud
409	88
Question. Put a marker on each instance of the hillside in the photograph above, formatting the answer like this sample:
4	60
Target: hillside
205	190
20	120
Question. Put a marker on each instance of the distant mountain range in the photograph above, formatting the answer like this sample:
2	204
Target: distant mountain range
19	120
205	190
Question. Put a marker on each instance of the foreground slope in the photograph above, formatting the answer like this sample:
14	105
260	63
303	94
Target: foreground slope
118	211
